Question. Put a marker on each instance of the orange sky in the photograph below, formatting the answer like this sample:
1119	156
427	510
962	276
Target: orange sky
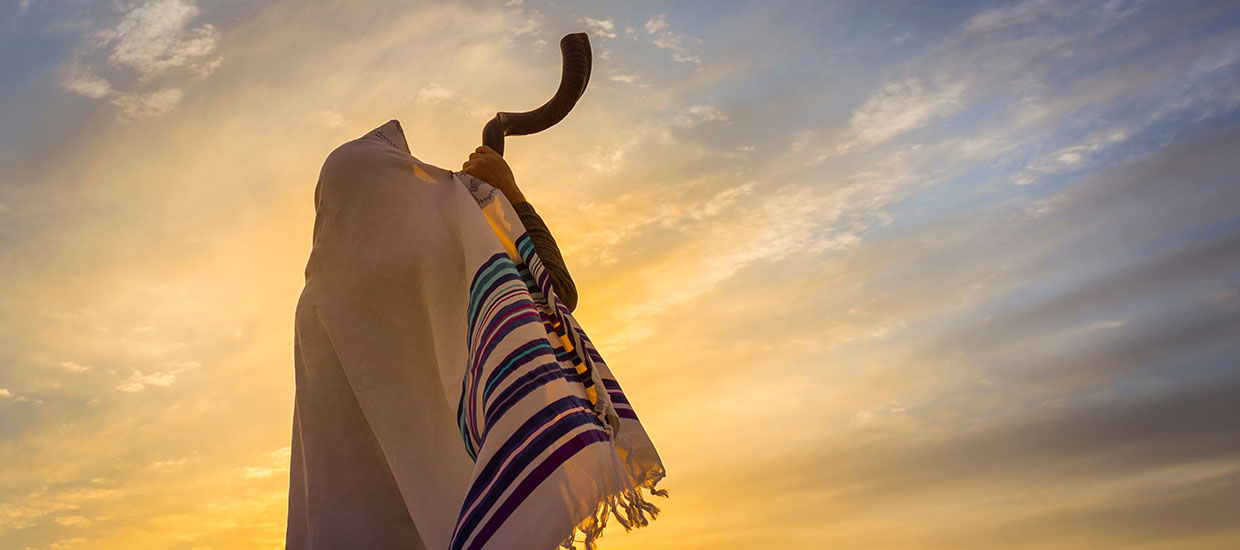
873	276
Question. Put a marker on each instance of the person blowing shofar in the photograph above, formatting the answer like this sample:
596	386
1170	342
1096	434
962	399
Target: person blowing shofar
446	396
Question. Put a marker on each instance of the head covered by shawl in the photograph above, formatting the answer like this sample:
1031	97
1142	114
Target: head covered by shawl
427	318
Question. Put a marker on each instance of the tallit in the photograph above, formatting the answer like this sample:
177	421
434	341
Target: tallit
446	398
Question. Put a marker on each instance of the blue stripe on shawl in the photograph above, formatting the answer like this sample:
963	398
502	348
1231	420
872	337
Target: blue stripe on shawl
515	360
525	246
497	267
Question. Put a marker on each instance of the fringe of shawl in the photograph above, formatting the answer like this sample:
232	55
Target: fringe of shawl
627	505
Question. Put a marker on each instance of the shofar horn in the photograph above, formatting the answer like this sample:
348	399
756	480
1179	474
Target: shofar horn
575	49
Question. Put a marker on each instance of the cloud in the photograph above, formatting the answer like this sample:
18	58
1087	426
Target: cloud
74	367
89	86
600	27
1128	434
41	503
657	24
673	42
259	472
166	465
8	395
157	36
163	377
74	521
155	103
330	119
434	92
277	465
697	114
152	53
1022	13
902	106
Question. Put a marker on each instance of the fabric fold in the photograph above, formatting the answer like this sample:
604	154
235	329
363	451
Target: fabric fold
485	408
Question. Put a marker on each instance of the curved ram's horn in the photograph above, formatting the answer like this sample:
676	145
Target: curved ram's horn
575	49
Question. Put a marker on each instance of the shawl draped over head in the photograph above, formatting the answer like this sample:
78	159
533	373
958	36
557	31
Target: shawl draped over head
445	396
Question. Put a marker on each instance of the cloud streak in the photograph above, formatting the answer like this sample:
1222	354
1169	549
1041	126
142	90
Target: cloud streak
155	39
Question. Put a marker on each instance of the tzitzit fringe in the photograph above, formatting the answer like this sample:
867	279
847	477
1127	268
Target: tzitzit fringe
628	501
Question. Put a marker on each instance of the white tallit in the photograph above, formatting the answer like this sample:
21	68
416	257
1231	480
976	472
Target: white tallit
446	398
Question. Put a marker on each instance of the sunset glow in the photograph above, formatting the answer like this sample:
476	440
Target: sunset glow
874	275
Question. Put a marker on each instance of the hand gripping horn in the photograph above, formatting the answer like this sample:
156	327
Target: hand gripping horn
575	49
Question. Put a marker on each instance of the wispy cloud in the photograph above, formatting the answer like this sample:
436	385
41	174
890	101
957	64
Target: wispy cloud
698	114
901	106
600	27
163	376
74	367
5	394
156	36
675	43
151	53
434	92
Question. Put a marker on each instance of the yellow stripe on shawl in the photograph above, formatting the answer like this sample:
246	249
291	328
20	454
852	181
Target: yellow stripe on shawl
501	226
581	367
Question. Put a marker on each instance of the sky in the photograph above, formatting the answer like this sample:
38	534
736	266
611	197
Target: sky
875	275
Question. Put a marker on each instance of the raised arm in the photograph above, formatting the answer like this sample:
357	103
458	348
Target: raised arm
549	253
486	165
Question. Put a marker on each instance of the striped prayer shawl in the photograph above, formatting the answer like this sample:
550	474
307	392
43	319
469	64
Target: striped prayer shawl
539	410
446	397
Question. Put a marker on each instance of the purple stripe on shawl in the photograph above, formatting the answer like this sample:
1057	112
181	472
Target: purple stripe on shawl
494	302
515	456
492	339
533	424
536	477
495	334
514	315
498	332
478	295
522	387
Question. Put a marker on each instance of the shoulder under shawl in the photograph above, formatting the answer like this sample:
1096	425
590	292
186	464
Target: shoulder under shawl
556	446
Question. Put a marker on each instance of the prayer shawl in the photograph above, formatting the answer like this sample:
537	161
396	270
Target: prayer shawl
445	396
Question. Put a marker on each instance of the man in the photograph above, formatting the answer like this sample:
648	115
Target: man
445	397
